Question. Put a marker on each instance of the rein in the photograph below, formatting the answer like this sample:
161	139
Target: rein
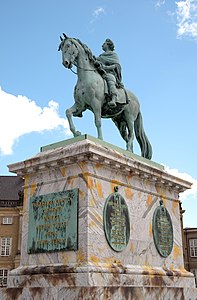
91	70
82	69
73	71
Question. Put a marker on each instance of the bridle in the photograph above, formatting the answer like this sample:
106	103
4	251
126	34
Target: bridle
84	69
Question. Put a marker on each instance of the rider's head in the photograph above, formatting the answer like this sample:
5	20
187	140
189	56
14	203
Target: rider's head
110	44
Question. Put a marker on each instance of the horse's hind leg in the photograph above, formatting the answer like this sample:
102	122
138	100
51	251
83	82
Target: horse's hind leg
130	139
69	113
130	134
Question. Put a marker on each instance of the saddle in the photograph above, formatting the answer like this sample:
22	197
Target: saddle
120	100
106	110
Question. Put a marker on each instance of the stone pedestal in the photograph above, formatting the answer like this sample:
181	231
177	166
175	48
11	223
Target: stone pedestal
95	270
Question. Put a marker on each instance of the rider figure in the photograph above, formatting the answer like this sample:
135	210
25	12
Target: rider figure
108	60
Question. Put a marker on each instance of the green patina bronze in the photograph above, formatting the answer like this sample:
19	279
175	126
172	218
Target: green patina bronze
116	221
99	88
53	222
162	230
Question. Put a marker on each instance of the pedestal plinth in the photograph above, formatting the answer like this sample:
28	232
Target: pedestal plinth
111	239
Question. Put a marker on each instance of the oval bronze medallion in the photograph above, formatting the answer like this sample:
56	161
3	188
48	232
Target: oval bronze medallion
116	221
162	230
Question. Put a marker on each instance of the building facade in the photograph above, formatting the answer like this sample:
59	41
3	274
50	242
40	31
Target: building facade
190	250
11	204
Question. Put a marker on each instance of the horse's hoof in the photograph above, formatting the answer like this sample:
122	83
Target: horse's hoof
129	149
77	133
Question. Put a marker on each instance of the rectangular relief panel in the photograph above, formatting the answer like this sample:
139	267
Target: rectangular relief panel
53	222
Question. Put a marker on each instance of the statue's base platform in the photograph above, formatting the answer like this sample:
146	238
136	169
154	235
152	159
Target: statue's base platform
99	293
132	282
94	270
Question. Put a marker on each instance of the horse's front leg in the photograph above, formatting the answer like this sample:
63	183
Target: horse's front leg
97	118
69	113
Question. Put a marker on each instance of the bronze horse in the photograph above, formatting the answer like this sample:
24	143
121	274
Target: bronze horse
89	93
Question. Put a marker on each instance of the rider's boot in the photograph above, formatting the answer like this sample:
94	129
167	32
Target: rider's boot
112	102
112	90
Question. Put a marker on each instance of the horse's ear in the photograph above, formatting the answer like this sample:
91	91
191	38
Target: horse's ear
61	38
65	36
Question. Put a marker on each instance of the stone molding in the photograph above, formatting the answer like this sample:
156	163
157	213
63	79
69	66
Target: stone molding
87	150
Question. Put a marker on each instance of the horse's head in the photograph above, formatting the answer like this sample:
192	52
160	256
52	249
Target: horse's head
69	51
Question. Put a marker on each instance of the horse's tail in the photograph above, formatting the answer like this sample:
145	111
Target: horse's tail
146	149
122	127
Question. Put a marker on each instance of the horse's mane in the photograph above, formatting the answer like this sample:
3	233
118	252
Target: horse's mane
87	50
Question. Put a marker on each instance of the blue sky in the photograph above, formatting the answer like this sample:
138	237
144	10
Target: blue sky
157	45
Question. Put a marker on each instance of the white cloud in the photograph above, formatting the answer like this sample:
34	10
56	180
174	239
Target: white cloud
187	18
98	11
97	14
20	115
188	193
159	3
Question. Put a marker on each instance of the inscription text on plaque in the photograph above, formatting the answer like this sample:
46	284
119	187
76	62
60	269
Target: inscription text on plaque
53	220
116	221
162	230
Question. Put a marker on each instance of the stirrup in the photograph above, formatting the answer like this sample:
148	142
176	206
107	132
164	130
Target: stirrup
112	103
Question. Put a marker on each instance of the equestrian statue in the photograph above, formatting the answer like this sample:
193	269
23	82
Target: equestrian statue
100	89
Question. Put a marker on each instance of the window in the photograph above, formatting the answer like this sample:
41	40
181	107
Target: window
194	271
193	247
7	220
6	243
3	277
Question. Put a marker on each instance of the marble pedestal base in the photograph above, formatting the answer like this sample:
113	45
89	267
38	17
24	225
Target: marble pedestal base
62	283
95	270
100	293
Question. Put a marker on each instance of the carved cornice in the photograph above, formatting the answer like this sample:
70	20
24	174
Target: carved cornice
89	151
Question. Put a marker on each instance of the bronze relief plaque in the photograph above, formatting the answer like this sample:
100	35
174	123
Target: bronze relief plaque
116	221
162	230
53	222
